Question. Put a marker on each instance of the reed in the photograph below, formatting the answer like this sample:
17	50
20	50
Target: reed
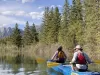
41	50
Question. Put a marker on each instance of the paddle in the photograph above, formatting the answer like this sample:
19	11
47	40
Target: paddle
97	61
52	64
49	64
40	60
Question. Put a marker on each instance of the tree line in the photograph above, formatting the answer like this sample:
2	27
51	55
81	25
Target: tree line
22	38
78	23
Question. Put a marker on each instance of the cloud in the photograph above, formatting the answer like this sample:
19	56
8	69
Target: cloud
41	7
6	21
36	15
24	1
21	13
59	6
33	15
7	13
53	6
13	13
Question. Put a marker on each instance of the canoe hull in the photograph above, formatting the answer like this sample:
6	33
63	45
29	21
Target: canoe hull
67	70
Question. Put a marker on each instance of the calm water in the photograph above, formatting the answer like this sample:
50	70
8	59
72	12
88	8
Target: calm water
21	65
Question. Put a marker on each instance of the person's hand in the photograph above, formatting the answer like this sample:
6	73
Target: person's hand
70	62
51	60
91	62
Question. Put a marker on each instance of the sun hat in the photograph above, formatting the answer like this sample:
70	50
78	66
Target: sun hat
78	47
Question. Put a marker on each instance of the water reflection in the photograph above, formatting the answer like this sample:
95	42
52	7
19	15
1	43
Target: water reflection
20	65
25	65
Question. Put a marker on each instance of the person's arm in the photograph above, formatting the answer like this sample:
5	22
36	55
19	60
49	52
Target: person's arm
88	59
65	55
55	54
74	58
73	61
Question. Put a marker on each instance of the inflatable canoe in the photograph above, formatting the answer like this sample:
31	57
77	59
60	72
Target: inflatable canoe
67	70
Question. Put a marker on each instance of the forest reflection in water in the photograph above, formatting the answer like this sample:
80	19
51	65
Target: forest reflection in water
24	65
21	65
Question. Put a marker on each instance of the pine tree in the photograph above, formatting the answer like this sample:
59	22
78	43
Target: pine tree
76	23
27	39
56	26
34	34
53	26
98	25
92	24
44	27
50	24
63	31
16	36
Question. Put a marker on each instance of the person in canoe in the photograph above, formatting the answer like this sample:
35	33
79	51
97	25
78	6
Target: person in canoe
80	60
59	56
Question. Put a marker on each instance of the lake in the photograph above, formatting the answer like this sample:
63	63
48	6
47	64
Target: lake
24	65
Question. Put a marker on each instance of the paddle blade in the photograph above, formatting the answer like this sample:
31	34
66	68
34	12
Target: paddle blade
40	60
97	61
52	64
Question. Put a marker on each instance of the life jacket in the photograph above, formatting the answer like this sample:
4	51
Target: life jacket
81	58
60	54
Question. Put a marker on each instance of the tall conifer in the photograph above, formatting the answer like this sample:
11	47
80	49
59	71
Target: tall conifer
16	36
27	39
34	34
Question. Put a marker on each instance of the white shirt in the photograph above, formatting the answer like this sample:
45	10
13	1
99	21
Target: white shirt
81	66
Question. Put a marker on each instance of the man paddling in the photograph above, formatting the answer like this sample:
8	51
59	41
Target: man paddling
80	60
59	56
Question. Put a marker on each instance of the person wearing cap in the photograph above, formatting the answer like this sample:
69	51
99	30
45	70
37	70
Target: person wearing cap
80	60
59	56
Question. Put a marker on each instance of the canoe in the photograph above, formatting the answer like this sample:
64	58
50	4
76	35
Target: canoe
67	70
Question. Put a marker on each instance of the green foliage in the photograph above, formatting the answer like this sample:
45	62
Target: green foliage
56	27
34	34
76	21
30	34
50	26
92	24
27	39
44	27
63	30
51	23
77	24
16	36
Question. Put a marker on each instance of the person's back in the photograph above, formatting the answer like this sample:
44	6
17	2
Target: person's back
59	55
80	59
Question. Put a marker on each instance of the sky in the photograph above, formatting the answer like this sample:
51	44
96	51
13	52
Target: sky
20	11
